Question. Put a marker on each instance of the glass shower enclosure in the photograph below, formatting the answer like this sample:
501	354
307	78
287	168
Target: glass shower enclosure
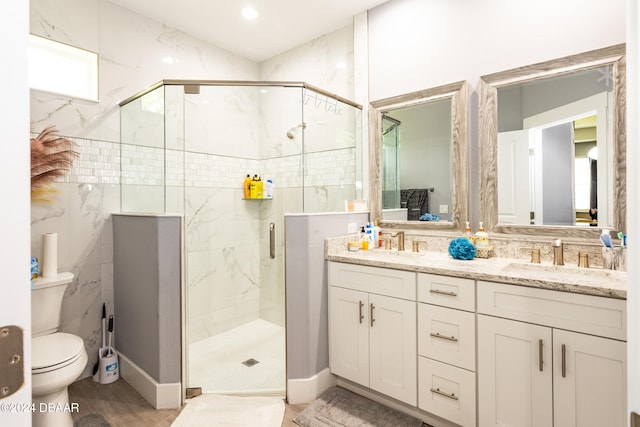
186	148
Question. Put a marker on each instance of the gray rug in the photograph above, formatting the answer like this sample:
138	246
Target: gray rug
91	420
338	407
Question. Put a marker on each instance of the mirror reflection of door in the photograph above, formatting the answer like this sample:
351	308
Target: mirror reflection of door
515	189
552	177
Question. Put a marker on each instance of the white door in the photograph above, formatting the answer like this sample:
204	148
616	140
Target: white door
15	224
349	334
514	374
589	385
393	347
514	200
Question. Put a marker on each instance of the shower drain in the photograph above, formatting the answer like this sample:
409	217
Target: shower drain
250	362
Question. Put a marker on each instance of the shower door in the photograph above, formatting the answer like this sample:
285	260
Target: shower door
234	262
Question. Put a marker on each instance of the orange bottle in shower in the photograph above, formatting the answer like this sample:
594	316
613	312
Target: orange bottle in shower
246	187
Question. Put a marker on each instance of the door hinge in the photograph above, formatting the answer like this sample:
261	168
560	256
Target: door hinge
11	360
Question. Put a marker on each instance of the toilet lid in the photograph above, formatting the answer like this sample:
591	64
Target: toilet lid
54	351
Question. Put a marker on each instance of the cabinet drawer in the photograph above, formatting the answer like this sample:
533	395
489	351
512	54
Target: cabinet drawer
447	391
382	281
447	335
447	291
593	315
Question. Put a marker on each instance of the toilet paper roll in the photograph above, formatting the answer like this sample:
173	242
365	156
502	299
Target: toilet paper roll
50	255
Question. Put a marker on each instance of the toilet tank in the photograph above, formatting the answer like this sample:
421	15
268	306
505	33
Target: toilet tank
46	303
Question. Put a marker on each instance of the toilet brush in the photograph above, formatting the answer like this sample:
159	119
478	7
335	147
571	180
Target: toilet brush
100	350
109	350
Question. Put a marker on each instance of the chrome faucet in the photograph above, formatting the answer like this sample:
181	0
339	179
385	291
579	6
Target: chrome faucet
400	235
558	249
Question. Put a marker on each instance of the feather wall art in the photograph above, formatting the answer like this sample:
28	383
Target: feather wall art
51	158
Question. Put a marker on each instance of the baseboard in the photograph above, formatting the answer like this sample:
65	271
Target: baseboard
160	396
304	390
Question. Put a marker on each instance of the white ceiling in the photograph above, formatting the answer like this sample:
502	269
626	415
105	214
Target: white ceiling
282	24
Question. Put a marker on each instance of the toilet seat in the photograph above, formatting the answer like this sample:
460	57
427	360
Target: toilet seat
55	351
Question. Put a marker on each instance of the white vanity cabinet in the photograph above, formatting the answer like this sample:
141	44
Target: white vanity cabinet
447	348
372	328
549	358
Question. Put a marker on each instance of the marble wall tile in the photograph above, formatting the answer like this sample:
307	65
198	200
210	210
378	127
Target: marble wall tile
223	120
315	63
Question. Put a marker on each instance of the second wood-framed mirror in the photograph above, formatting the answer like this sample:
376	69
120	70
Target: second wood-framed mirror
553	146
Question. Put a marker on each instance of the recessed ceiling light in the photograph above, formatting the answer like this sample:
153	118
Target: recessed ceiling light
341	65
249	13
168	60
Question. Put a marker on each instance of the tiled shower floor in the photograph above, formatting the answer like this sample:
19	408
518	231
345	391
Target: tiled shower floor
215	363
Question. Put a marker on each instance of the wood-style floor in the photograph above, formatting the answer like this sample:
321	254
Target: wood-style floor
121	405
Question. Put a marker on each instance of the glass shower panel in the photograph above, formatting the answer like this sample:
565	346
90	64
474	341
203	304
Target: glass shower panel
142	156
235	288
332	163
390	163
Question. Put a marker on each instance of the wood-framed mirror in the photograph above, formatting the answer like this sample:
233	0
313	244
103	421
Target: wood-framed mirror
538	173
419	180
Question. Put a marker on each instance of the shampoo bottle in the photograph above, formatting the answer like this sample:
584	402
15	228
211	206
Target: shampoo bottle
260	190
253	192
246	187
269	189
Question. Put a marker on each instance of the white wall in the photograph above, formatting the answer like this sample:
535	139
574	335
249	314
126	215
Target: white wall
417	44
14	187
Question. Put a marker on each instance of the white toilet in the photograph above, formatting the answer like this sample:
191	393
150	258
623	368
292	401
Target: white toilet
57	358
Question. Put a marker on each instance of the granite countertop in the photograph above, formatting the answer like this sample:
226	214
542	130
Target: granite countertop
567	278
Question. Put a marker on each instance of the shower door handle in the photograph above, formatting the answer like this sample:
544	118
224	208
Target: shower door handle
272	240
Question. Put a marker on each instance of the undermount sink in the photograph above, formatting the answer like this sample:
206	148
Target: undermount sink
559	270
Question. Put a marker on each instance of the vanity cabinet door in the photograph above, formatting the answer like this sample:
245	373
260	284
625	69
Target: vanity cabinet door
349	334
589	384
514	373
393	348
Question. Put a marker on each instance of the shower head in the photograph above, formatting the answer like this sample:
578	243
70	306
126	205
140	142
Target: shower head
291	132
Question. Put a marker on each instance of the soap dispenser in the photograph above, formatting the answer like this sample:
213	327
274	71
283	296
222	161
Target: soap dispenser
482	238
467	233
